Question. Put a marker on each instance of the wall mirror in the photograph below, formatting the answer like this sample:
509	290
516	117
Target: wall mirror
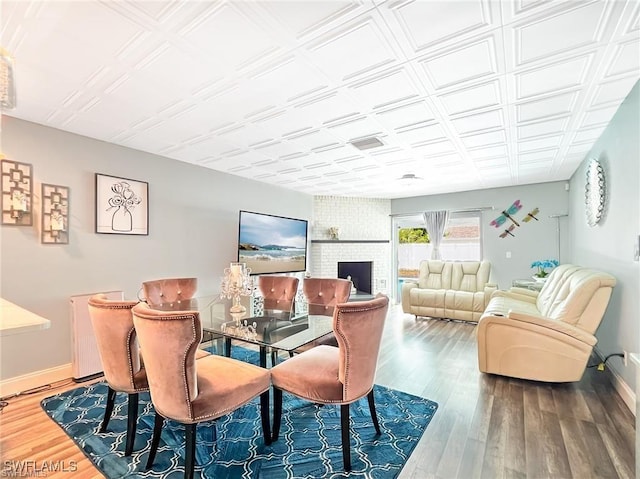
595	192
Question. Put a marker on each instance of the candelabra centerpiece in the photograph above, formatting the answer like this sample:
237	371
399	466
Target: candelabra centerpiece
237	282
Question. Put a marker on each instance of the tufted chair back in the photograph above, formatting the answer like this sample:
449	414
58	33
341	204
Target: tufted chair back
169	290
323	294
117	343
279	292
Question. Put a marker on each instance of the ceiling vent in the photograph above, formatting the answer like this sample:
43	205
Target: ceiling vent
367	143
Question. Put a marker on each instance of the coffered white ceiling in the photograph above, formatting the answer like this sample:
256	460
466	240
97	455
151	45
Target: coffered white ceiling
465	94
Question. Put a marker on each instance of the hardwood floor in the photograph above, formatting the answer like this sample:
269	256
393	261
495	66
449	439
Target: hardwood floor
485	427
495	427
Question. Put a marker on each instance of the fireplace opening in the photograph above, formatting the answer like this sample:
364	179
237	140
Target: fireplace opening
360	274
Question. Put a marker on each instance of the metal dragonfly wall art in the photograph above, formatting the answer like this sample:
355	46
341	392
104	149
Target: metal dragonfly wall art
509	214
531	215
508	231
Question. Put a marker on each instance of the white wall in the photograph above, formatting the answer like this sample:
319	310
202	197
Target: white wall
533	241
610	246
193	231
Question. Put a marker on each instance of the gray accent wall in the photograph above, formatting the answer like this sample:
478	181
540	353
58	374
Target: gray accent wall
193	228
533	241
611	244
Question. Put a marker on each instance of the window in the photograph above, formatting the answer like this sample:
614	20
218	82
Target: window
461	241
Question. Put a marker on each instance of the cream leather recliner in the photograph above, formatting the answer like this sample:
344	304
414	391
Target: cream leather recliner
449	289
546	336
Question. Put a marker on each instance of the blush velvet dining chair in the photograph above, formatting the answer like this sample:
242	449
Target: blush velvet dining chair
115	335
169	290
337	375
190	391
279	292
172	293
322	296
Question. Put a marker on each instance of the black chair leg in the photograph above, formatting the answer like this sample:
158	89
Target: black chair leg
346	440
132	419
274	357
264	416
277	412
157	430
190	450
372	409
111	399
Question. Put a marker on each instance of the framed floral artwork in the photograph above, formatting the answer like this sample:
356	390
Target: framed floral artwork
122	205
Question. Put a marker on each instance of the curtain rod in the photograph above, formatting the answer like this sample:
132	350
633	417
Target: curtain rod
469	210
465	210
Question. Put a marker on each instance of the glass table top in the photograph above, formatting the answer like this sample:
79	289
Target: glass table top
277	329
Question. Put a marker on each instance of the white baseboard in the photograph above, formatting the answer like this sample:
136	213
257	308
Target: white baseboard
33	380
626	393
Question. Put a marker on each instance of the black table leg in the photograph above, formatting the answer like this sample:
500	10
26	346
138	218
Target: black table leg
227	347
263	356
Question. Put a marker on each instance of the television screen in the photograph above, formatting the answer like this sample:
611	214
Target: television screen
272	244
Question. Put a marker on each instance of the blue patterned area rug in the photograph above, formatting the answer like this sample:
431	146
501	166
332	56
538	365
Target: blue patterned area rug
308	446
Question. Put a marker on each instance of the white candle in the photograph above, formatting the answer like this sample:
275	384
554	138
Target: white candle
57	222
235	273
19	201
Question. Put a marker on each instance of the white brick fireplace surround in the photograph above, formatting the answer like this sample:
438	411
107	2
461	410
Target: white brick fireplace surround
365	228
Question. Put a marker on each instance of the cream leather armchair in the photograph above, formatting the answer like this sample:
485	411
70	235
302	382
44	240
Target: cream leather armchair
546	336
448	289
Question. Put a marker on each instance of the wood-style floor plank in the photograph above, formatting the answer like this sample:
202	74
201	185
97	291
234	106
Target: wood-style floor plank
486	426
518	428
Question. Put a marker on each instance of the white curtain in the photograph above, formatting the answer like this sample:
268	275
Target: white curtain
436	222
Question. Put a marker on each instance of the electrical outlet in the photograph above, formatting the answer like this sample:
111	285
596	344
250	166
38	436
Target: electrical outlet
624	357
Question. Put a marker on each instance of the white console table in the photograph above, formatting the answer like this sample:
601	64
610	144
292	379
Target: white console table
527	284
16	320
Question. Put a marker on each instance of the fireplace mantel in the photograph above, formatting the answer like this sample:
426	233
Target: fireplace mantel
349	241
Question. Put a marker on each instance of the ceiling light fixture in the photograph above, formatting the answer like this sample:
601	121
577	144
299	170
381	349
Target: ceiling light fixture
409	179
7	81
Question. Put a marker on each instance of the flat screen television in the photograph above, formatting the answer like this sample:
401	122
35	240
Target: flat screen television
272	244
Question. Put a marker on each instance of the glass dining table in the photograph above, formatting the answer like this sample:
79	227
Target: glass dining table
271	330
